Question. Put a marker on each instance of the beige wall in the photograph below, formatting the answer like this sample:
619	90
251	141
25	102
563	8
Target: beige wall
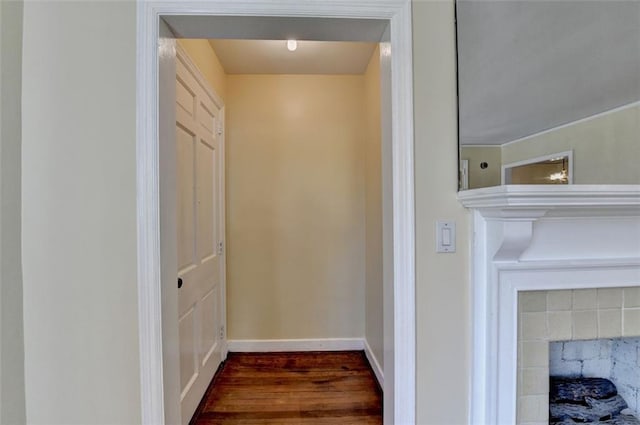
295	206
12	406
205	58
79	213
442	289
479	177
606	149
373	209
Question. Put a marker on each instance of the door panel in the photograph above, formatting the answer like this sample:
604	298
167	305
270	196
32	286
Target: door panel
206	169
185	97
207	118
210	315
200	215
188	370
185	157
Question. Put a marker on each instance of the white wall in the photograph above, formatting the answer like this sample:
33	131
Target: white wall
442	289
12	408
79	213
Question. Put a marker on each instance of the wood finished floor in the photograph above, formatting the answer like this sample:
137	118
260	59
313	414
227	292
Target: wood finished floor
292	388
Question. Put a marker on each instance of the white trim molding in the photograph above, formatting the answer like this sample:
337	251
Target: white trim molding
375	364
398	14
148	218
530	238
281	345
499	200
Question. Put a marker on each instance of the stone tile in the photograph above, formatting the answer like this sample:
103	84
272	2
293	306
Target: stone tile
631	322
535	354
559	300
534	326
632	296
585	299
535	381
610	298
559	325
519	382
533	301
519	354
609	323
533	409
585	324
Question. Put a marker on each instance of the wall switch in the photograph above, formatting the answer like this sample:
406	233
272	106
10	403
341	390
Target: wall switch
445	236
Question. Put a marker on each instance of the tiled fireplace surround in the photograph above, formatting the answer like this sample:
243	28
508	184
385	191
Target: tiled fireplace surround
579	242
566	315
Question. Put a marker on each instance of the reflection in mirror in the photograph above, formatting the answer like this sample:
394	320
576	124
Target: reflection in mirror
555	83
549	169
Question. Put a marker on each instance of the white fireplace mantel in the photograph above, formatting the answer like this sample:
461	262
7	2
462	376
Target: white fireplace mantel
564	198
529	237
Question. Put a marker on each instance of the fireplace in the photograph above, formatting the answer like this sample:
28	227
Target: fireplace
596	380
564	259
577	334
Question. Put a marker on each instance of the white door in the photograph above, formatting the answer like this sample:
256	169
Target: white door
200	226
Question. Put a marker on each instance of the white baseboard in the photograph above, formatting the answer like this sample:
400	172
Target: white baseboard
275	345
373	361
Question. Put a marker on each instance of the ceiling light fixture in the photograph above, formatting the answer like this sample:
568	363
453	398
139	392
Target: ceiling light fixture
558	177
562	176
292	45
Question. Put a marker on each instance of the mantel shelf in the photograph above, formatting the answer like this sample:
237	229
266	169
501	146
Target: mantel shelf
564	200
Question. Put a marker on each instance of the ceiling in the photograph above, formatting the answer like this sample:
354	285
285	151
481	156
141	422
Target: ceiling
530	65
278	28
245	44
310	57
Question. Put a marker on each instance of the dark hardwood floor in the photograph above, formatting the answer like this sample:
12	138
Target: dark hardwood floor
292	388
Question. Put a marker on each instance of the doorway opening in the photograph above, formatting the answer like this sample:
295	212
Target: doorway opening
314	21
303	245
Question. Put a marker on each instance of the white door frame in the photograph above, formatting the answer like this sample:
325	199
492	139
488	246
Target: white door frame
398	13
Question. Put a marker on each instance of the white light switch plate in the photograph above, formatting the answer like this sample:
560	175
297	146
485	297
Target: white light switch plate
445	236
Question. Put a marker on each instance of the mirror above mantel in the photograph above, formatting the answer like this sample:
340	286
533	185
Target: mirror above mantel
549	92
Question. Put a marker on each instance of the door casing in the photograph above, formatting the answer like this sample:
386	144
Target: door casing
401	409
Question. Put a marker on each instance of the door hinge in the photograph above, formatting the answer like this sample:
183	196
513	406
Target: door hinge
219	129
221	248
221	332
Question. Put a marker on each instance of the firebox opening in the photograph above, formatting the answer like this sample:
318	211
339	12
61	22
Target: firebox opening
595	381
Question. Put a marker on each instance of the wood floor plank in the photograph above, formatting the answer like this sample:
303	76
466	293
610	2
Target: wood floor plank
292	388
